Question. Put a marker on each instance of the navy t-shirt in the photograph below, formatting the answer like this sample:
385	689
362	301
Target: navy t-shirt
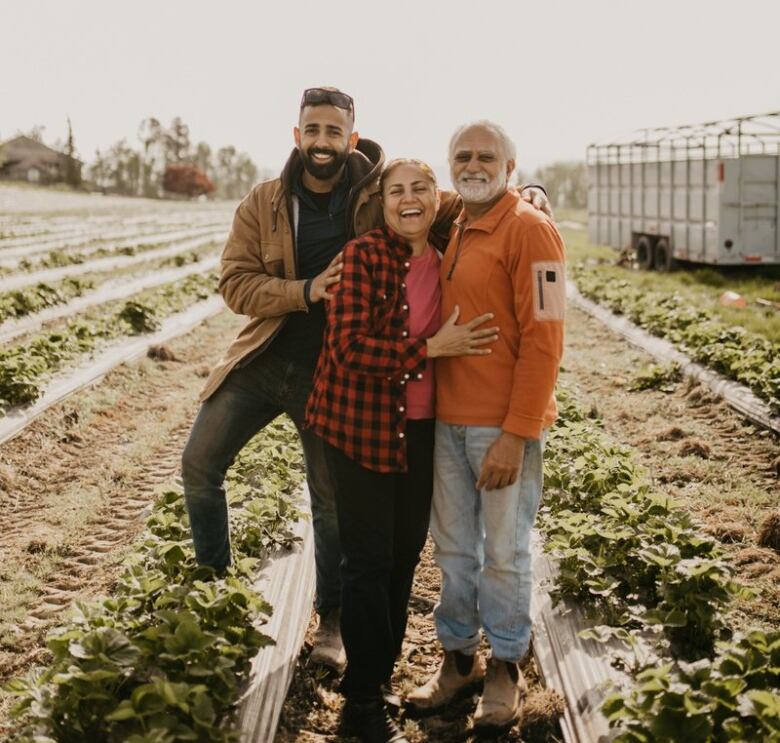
322	232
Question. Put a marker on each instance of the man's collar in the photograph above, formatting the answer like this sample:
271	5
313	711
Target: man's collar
488	222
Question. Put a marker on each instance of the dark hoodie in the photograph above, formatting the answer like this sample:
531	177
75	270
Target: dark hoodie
320	235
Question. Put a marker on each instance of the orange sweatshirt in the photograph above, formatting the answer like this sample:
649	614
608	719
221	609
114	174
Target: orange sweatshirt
509	262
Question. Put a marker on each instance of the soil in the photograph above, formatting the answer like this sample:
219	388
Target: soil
718	465
312	711
77	484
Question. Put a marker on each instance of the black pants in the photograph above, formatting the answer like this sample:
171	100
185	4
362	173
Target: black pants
383	523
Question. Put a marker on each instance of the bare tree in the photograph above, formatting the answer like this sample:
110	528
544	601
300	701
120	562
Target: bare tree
150	134
177	141
72	168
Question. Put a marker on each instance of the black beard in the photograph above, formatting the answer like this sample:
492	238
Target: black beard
323	171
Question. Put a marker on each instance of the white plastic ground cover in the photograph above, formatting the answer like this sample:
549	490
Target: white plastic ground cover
86	231
110	263
108	292
93	242
287	583
21	227
579	670
126	350
735	394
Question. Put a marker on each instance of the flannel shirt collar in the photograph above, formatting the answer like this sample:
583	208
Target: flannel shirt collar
396	241
488	222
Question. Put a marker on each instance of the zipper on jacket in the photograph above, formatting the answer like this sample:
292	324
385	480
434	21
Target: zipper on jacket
461	232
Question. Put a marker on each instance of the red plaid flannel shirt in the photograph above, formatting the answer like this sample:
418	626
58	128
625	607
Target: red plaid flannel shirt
358	403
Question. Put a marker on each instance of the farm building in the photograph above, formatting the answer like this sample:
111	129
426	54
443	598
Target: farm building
25	159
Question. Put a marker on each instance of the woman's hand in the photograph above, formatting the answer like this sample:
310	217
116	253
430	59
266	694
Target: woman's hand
462	340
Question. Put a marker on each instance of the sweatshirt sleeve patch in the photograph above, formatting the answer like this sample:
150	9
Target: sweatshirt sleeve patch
549	283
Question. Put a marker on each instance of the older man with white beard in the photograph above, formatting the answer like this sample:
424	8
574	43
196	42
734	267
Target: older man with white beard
492	413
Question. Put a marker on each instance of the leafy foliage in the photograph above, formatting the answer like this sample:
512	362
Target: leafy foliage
637	560
164	658
29	300
657	377
731	350
629	553
186	179
734	698
24	368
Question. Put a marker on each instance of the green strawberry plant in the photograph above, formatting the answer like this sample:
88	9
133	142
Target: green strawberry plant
732	351
165	657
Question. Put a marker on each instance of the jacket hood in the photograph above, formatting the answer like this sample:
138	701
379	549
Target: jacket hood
363	165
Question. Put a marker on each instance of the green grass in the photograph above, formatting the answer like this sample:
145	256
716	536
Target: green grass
571	215
701	286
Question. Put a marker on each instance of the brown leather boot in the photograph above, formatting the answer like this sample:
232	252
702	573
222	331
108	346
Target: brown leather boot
503	696
328	648
458	675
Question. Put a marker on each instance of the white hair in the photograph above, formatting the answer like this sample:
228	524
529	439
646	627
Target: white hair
507	145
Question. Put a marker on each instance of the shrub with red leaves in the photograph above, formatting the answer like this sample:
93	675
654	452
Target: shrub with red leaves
186	179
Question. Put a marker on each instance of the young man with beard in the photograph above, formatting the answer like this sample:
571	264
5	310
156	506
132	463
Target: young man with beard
492	414
280	261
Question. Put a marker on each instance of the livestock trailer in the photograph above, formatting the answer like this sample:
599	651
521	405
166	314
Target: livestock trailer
706	193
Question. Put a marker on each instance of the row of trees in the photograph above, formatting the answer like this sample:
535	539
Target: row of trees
166	159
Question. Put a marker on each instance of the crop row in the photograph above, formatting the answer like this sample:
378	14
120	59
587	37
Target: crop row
83	232
730	350
32	260
637	560
164	658
29	300
24	368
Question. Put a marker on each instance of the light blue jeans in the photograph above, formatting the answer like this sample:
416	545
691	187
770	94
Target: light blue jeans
482	544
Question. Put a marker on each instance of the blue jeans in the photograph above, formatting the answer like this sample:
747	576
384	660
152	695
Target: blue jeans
249	399
482	544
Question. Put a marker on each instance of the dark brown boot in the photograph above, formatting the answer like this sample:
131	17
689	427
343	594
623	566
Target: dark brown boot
369	720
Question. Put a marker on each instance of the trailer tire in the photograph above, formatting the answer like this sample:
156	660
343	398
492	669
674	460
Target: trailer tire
645	253
664	260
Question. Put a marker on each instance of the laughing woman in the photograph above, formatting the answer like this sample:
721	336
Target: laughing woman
373	404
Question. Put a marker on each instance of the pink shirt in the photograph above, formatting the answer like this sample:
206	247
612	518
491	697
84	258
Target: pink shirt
424	294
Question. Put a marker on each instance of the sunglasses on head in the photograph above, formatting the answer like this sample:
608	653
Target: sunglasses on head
319	96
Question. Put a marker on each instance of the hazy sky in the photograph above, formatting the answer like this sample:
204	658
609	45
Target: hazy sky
558	74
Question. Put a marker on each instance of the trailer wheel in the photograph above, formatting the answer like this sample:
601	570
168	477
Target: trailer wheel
664	260
645	253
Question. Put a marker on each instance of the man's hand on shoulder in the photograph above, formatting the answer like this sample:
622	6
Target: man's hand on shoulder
537	198
322	282
502	463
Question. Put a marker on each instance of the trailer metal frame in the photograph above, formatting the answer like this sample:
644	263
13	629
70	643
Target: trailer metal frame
696	146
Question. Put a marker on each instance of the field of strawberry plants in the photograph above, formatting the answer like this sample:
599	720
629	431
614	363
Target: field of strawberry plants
164	658
742	344
107	281
660	509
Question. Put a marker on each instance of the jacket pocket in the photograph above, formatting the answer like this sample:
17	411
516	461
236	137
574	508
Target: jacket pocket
272	255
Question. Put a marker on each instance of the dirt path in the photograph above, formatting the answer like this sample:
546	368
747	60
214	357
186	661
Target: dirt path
313	707
76	485
697	449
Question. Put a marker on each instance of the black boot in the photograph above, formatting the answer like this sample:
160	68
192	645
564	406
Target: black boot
369	720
